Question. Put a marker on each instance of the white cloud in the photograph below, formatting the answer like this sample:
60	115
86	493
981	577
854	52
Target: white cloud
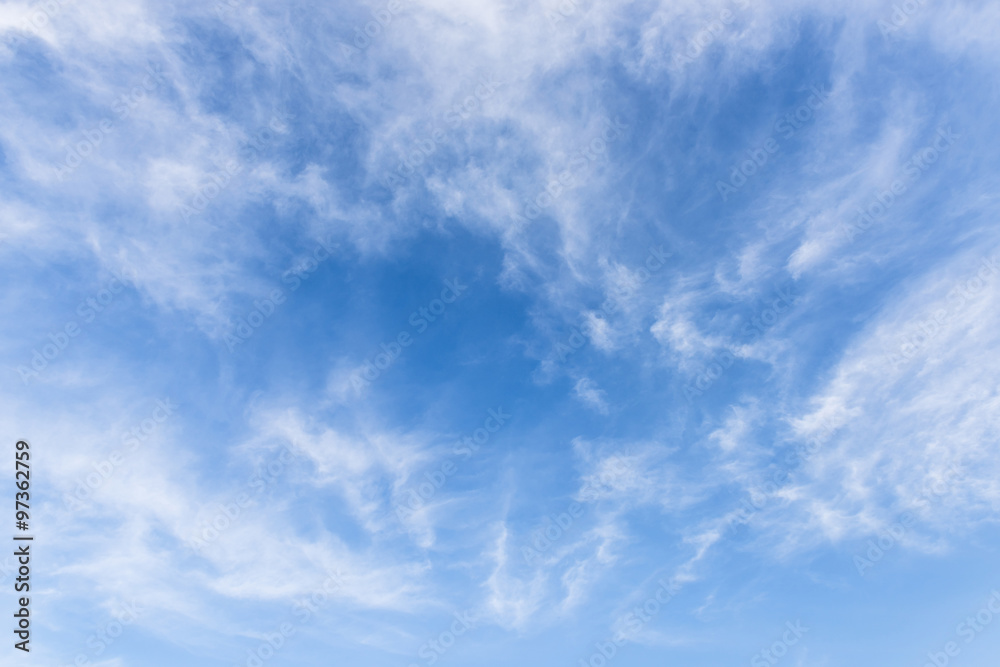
588	392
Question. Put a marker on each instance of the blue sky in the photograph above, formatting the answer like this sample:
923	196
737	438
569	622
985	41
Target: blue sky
432	332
